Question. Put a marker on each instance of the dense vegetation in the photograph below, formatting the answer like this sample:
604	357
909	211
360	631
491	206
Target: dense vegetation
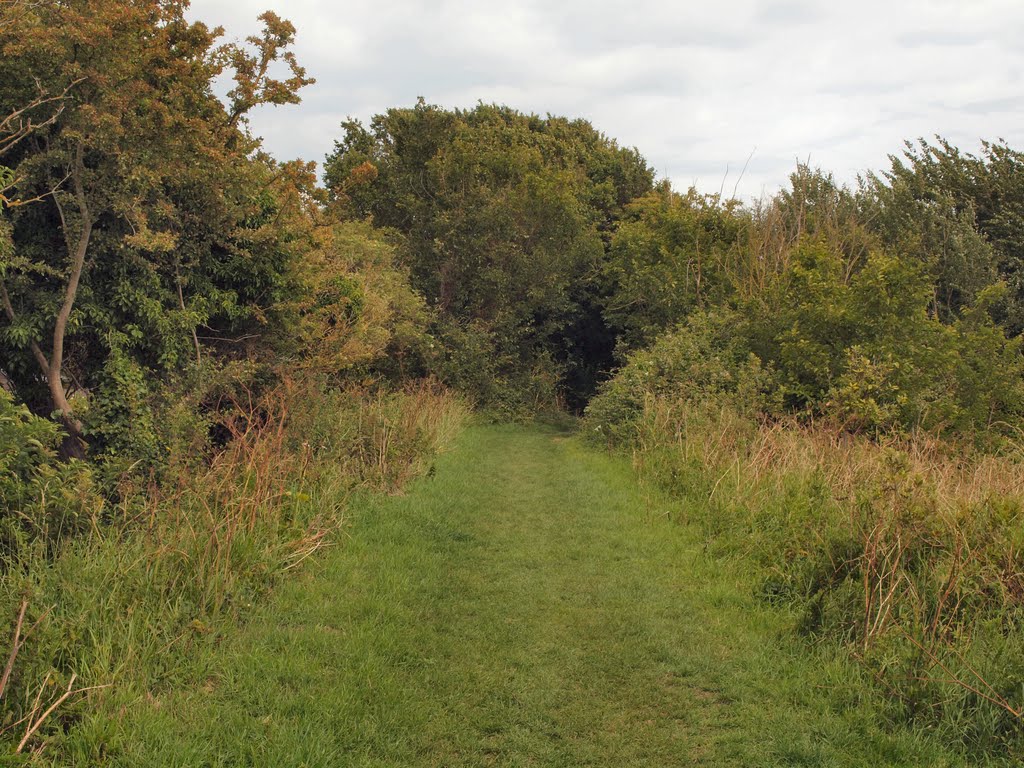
505	220
203	353
199	366
842	411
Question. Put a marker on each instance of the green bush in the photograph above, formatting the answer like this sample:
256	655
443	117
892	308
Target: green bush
42	499
493	372
707	358
861	350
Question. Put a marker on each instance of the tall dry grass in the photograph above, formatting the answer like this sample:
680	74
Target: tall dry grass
907	550
114	618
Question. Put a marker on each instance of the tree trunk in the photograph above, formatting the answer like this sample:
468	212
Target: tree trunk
74	445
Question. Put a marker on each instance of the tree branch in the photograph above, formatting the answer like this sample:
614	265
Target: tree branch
5	299
70	293
18	124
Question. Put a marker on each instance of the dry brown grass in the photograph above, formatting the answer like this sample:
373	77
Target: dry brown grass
764	453
907	549
282	481
121	606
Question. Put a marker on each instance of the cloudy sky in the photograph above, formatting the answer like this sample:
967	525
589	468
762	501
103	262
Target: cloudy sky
697	87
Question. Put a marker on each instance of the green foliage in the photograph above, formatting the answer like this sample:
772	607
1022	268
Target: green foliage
667	258
860	348
504	217
42	499
154	221
707	359
815	206
355	313
865	346
478	362
121	421
961	216
866	350
989	372
129	609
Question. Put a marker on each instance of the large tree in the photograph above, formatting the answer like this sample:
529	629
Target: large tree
152	211
505	216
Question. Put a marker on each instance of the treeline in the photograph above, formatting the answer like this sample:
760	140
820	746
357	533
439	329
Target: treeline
505	221
550	257
519	259
892	306
194	333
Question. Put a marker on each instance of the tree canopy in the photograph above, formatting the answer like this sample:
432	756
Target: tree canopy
154	221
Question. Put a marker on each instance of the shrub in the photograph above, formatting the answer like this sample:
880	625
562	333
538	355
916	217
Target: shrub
42	499
123	605
904	550
707	358
493	372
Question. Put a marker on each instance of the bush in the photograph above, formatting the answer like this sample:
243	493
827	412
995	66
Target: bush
493	373
705	359
858	350
123	605
42	499
905	551
356	314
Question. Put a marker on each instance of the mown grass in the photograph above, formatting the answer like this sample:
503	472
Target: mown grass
526	603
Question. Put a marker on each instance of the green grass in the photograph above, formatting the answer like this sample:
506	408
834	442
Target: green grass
528	604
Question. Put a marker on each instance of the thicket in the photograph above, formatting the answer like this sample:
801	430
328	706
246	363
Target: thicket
505	220
199	365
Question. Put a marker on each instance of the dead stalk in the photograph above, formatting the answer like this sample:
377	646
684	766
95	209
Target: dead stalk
993	697
15	647
68	693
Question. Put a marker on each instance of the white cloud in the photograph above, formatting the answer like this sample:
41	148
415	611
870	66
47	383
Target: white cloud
694	86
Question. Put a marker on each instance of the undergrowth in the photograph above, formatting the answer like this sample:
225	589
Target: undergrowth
111	614
905	551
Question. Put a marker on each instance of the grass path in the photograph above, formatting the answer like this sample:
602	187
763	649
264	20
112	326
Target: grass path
527	605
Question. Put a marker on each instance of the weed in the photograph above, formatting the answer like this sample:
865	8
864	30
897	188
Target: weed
905	550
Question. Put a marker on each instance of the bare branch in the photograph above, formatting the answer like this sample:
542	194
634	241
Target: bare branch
68	693
19	123
12	316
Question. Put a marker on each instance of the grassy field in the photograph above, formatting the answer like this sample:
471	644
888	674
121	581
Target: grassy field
527	603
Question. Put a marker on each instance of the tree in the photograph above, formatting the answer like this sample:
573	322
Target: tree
141	175
940	206
253	84
668	257
505	218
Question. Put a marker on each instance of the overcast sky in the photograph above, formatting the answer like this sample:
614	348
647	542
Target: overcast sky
696	87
